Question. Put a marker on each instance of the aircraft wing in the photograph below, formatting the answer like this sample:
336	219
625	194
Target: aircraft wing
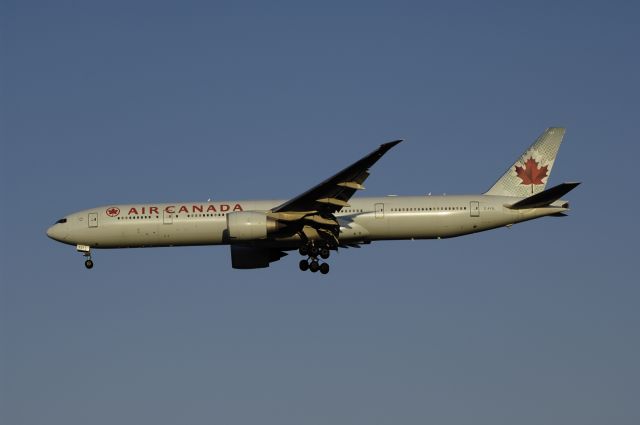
334	193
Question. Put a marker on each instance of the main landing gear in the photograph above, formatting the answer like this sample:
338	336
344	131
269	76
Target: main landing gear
312	264
86	253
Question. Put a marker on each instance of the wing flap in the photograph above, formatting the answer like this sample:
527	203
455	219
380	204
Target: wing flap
351	185
334	201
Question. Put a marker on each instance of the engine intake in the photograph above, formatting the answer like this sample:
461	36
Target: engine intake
250	225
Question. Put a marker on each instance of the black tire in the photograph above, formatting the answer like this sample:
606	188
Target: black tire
325	253
88	264
313	251
303	250
314	266
324	268
304	265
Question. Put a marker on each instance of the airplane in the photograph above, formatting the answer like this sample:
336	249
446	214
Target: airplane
326	217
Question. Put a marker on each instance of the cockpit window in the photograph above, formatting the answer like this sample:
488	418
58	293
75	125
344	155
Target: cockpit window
62	220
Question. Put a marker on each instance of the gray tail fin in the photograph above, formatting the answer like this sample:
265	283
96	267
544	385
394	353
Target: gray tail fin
529	174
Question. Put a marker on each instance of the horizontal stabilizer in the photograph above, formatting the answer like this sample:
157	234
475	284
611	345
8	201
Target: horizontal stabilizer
544	198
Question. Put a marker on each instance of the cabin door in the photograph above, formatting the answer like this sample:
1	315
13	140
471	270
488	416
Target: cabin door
474	207
167	217
379	208
93	219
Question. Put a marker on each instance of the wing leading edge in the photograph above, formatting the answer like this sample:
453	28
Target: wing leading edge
334	193
311	214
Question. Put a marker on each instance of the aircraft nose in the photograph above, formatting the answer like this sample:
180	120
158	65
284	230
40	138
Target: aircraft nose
54	232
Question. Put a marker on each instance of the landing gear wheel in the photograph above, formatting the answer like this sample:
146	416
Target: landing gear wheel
324	268
324	253
314	266
88	264
313	251
304	265
303	250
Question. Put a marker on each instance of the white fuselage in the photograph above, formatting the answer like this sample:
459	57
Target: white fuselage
365	220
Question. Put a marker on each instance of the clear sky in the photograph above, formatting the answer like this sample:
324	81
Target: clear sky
116	102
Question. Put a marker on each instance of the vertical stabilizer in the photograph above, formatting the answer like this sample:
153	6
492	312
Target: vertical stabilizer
531	171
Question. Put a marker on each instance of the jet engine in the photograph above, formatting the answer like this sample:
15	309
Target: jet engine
250	225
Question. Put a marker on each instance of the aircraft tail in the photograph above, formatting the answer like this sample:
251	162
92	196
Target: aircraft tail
529	175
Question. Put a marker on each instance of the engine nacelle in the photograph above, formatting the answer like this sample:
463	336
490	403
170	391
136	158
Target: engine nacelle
250	225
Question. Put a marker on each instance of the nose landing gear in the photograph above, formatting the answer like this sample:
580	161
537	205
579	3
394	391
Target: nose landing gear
86	253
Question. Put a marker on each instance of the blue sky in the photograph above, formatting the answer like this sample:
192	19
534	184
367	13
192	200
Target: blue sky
115	102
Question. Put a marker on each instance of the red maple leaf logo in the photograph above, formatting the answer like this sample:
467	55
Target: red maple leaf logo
532	173
113	211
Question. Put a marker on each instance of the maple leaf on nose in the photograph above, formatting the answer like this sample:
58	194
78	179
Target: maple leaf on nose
531	173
